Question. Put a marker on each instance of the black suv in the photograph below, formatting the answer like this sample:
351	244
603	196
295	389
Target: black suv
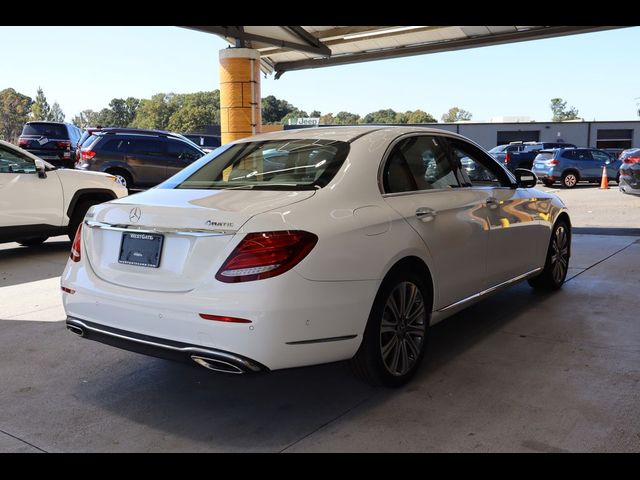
141	158
54	142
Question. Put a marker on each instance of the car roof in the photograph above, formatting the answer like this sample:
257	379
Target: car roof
345	134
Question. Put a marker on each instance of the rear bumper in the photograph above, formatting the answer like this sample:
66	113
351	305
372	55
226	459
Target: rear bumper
294	321
629	185
163	348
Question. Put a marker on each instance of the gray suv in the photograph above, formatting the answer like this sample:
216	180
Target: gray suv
138	158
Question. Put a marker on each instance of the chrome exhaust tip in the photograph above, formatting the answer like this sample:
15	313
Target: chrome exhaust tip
75	329
217	365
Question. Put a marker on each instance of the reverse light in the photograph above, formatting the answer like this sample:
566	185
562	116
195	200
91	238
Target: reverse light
266	254
75	246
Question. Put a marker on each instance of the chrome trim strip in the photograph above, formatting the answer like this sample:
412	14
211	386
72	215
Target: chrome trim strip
195	232
193	350
491	289
322	340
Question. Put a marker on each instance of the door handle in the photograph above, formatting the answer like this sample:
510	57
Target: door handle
426	214
492	203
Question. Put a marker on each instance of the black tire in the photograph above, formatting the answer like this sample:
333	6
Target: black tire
409	335
32	242
78	215
547	183
125	177
570	179
557	262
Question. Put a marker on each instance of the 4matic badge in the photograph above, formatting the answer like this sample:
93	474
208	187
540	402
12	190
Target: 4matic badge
211	223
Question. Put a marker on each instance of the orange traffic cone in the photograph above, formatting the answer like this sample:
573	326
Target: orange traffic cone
604	183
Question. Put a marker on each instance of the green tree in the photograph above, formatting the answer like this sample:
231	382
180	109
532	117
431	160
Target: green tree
315	114
419	116
194	111
561	112
56	114
327	119
346	118
86	118
381	116
40	110
155	112
123	111
274	110
456	114
14	112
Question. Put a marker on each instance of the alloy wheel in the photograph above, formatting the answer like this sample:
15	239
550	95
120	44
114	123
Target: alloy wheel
560	254
403	329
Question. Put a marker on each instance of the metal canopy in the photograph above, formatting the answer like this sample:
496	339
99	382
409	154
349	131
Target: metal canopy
296	48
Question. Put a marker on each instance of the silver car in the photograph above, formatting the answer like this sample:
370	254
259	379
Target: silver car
630	171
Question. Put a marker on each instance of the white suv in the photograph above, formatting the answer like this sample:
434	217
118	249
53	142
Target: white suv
38	201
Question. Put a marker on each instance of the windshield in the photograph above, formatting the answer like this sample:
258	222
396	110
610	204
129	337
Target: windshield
301	164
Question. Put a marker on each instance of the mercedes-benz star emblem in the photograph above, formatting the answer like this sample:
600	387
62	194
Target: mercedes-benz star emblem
135	214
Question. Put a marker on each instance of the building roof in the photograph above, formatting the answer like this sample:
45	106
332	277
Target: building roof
301	47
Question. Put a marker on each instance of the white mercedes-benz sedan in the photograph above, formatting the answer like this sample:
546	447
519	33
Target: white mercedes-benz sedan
310	246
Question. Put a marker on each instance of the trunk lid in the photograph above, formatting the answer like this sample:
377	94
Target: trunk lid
196	227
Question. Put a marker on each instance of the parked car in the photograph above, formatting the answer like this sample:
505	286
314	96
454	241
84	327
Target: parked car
38	201
54	142
207	143
572	165
139	158
524	158
499	152
630	171
349	252
83	138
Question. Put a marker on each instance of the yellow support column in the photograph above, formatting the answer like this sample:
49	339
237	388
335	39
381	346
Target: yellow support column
239	93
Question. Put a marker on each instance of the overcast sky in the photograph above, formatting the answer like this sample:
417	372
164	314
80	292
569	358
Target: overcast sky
85	67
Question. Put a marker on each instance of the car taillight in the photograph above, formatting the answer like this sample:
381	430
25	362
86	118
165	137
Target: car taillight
63	144
23	143
266	254
88	154
76	245
553	161
507	158
630	160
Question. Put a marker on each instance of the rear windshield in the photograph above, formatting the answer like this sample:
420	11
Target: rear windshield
544	156
498	149
269	165
48	130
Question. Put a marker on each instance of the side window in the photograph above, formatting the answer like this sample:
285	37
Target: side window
115	145
148	147
418	163
182	151
583	155
478	168
600	156
12	162
570	154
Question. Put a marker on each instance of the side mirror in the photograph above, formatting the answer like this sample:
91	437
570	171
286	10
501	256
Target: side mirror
40	168
525	178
